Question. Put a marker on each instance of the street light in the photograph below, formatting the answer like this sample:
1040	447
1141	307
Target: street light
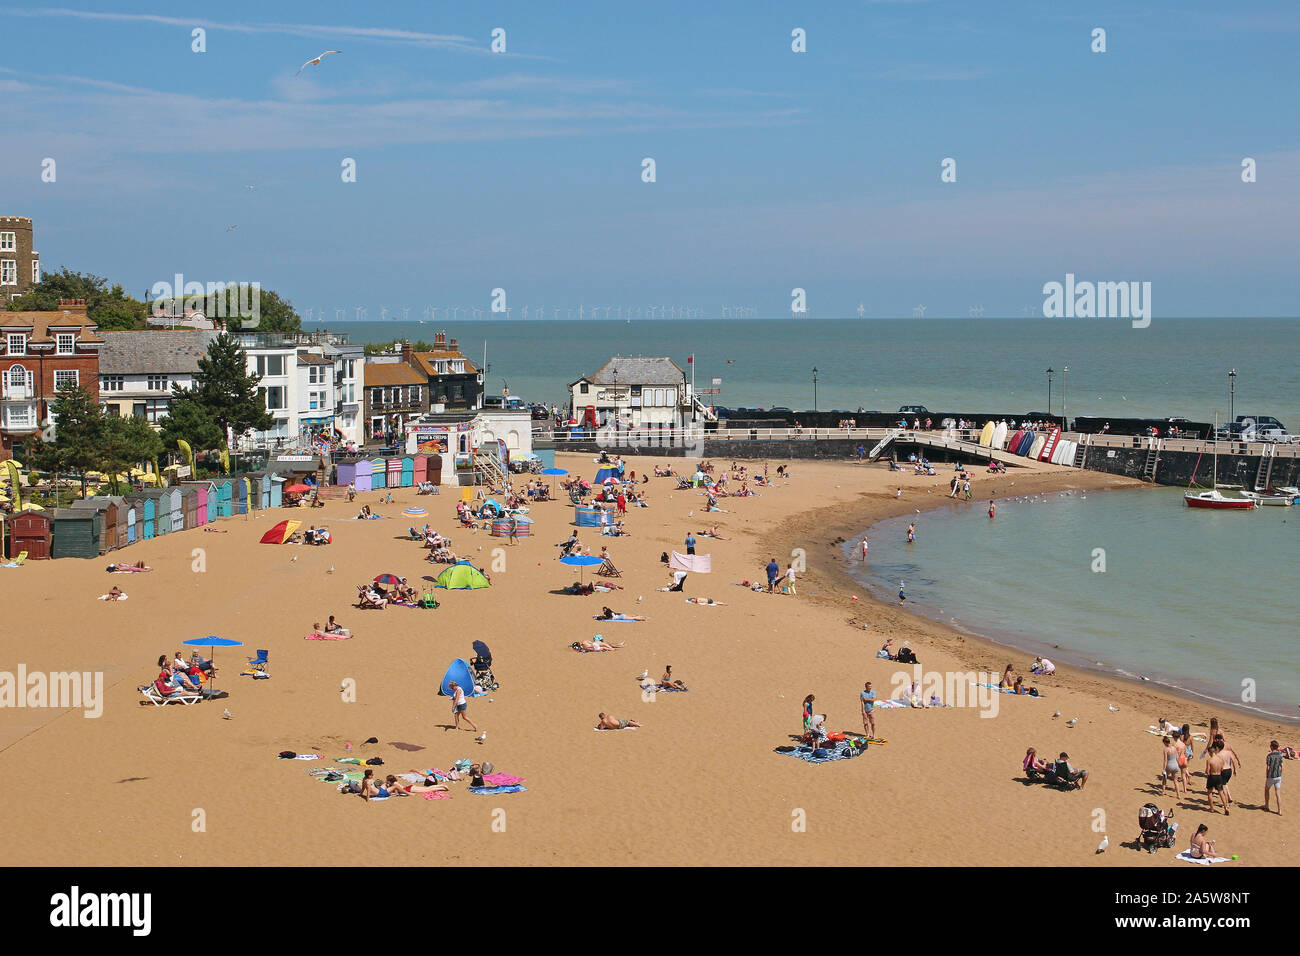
1065	418
1232	394
1050	373
814	388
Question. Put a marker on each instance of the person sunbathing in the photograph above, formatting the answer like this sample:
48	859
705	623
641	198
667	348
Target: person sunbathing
137	567
595	646
369	788
177	678
713	533
399	789
369	597
669	681
212	530
610	722
607	615
707	602
115	593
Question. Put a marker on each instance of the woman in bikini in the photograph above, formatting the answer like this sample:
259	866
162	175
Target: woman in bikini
1201	847
589	646
607	615
1173	769
371	789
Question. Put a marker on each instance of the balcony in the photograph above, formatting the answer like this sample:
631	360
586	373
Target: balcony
17	393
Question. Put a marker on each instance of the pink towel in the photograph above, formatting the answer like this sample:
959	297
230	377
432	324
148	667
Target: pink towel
326	637
436	795
501	779
700	563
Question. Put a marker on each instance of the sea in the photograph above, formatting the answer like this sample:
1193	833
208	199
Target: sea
1173	368
1130	583
1200	601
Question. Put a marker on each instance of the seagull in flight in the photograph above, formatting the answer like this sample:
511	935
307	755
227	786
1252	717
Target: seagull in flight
250	187
316	62
231	228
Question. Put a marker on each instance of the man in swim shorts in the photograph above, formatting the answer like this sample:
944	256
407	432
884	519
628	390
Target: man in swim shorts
1214	778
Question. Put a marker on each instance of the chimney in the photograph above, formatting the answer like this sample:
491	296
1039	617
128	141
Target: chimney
451	346
440	340
75	304
406	352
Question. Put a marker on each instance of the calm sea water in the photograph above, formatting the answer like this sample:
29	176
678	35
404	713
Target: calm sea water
1198	600
1173	368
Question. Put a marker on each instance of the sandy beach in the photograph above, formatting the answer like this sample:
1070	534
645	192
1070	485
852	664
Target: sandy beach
697	784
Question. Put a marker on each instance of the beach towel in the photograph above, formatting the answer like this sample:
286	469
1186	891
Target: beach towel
501	779
703	604
1008	690
327	637
656	689
613	729
1157	732
621	619
512	788
436	795
105	597
1205	861
841	752
700	563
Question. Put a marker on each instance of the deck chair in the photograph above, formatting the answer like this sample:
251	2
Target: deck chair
22	556
608	570
259	662
159	699
429	601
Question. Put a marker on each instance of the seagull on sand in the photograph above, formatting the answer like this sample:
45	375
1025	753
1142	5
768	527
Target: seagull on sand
1114	709
1072	721
643	675
227	714
1055	715
316	62
1103	845
481	737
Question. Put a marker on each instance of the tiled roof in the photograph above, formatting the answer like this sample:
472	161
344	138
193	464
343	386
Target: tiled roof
392	373
638	370
310	358
41	322
173	351
426	360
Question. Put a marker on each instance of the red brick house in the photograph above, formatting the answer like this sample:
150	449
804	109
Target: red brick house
40	352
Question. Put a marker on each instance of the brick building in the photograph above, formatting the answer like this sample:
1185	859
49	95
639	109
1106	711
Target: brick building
453	380
20	264
39	353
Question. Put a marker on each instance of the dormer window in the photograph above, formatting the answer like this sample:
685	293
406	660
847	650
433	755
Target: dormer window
17	343
66	343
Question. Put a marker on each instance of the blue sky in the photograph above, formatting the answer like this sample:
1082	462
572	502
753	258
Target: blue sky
775	169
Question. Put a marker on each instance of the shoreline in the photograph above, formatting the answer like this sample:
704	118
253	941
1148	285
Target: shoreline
1026	644
971	649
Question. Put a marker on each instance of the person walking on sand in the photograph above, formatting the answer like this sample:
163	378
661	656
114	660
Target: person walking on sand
911	533
1273	775
868	709
514	530
1214	777
460	706
1171	768
899	493
789	579
965	486
773	573
690	542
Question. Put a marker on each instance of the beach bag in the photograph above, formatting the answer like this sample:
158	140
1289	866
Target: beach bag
663	558
287	755
835	736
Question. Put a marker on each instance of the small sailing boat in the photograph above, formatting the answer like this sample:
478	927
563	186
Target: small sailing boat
1215	499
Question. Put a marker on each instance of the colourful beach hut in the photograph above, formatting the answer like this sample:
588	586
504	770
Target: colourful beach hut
393	478
206	502
408	472
30	531
419	468
277	490
239	496
75	533
224	490
132	518
108	512
378	473
175	507
190	507
149	517
345	473
364	478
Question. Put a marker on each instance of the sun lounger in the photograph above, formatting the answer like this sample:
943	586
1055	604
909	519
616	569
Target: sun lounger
159	699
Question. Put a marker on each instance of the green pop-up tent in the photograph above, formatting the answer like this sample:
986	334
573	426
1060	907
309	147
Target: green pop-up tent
462	576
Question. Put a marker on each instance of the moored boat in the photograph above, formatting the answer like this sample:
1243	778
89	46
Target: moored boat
1271	497
1217	501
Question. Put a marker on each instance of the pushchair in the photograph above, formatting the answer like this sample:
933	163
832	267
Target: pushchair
1157	831
481	667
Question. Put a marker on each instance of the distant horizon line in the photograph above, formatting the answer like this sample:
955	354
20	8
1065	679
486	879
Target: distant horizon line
835	318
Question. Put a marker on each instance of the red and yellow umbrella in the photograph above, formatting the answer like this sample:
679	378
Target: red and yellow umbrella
281	532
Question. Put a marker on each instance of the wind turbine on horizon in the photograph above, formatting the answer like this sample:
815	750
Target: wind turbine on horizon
977	311
862	310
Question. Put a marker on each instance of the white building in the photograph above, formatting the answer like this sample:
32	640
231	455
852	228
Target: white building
636	392
137	370
315	395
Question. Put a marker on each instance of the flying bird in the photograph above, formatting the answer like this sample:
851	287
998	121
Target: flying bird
316	62
231	228
250	187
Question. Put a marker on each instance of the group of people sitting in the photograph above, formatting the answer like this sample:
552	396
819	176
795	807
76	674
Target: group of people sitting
905	654
426	488
439	547
1016	683
315	535
365	514
332	627
665	471
375	596
1060	772
179	676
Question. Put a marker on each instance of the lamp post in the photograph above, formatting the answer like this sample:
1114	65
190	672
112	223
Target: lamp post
1232	394
1065	418
814	388
1050	373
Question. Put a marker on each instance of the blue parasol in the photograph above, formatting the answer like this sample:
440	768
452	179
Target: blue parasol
582	561
554	471
213	641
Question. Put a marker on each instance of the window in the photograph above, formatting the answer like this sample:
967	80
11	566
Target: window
157	383
36	271
113	410
457	393
270	365
18	377
155	410
584	388
273	397
315	374
20	416
112	383
8	241
66	376
17	343
315	400
66	343
139	410
8	272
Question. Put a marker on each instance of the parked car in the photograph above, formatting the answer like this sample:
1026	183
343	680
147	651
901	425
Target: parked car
914	410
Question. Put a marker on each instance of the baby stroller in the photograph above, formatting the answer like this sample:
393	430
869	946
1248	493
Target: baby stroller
1157	831
481	667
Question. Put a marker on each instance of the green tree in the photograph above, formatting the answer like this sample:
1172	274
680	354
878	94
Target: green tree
188	420
125	442
227	392
108	307
78	430
277	314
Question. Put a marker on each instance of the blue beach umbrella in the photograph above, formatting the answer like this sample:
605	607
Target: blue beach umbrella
213	641
581	561
554	471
